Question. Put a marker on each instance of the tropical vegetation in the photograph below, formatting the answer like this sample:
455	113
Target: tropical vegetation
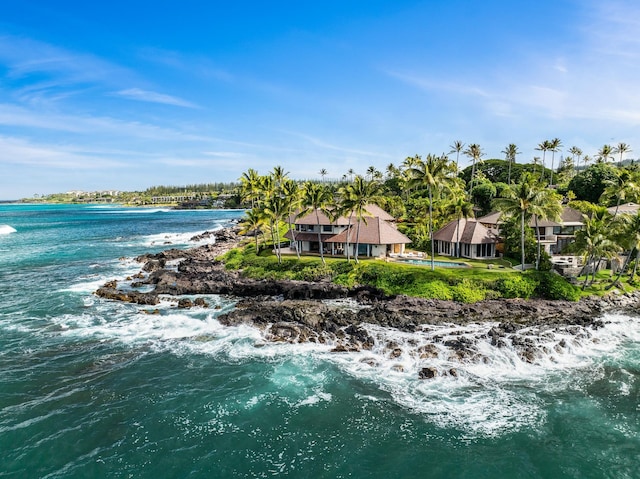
426	192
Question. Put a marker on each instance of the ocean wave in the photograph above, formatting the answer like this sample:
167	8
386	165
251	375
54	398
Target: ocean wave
486	392
6	229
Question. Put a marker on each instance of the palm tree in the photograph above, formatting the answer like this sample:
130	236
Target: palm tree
392	171
456	147
474	151
293	198
545	205
323	173
554	146
627	234
586	159
459	208
543	147
576	152
362	193
624	187
250	187
519	199
604	154
435	172
510	153
274	209
351	172
622	148
252	222
316	198
594	243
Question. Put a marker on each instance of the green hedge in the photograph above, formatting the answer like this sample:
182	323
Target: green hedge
468	286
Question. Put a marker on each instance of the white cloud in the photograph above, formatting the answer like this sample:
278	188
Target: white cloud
153	97
16	151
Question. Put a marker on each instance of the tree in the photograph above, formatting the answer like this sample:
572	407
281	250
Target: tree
360	194
544	147
293	198
459	208
623	187
250	186
435	172
252	223
545	205
554	146
576	153
482	196
518	201
622	148
323	173
594	244
474	151
456	147
315	198
510	153
590	184
627	234
604	154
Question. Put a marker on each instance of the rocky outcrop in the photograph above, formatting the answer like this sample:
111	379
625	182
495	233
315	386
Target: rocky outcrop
298	311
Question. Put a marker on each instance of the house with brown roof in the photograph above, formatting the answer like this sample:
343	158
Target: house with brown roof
376	235
472	238
554	235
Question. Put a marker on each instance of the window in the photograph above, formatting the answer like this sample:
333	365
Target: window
327	228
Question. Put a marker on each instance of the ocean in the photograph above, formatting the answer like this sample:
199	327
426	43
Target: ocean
91	388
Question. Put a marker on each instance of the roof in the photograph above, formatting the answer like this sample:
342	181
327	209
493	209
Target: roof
627	208
471	232
571	215
374	231
306	236
491	219
310	218
568	217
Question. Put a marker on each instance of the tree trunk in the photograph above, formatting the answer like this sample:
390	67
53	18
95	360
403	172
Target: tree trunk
635	266
320	237
293	237
431	228
538	246
348	245
522	239
458	239
357	238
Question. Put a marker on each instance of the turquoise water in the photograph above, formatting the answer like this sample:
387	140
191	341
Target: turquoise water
439	264
92	388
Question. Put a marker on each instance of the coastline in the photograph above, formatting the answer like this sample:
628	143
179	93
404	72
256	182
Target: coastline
341	318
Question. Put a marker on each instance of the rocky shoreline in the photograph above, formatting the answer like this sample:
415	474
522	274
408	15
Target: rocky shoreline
322	312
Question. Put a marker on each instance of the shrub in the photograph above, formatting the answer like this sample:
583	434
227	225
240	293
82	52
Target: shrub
517	286
436	290
554	286
468	292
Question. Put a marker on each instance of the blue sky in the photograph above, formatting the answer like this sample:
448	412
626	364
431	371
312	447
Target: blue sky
127	95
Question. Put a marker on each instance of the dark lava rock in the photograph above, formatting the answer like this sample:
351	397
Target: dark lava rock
427	373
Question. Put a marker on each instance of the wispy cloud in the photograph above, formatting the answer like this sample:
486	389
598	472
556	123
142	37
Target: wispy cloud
16	151
192	64
432	85
154	97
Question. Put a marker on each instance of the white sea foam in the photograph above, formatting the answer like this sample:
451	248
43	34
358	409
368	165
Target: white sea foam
489	391
6	229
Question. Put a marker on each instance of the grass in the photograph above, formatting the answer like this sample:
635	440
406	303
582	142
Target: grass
460	284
